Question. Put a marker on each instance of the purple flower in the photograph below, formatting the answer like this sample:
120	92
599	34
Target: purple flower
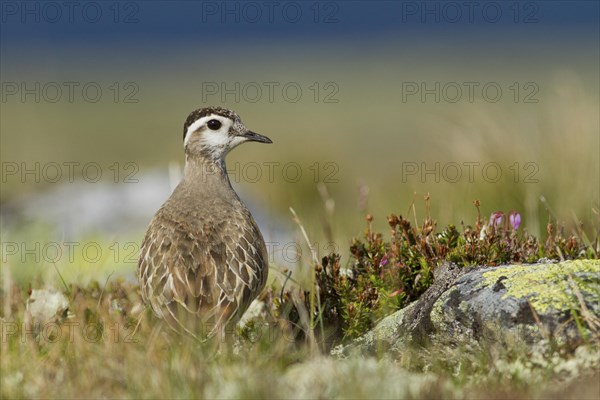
515	220
496	218
383	262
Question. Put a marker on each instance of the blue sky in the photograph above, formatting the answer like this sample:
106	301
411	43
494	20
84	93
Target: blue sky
180	23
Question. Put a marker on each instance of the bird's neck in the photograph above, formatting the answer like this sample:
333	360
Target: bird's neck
205	170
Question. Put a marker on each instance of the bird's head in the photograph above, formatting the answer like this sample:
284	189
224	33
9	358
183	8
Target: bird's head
211	132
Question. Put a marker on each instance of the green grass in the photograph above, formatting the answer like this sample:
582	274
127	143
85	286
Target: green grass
109	345
137	357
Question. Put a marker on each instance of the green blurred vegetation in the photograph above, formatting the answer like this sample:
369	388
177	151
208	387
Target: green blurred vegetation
356	147
108	345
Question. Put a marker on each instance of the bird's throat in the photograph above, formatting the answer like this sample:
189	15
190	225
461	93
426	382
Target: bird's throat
205	170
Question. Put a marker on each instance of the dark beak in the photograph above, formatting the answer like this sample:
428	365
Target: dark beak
255	137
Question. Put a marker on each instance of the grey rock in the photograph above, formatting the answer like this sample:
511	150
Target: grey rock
538	303
45	307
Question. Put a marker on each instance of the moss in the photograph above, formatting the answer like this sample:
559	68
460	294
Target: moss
545	286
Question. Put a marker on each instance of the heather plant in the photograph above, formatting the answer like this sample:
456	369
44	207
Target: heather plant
386	274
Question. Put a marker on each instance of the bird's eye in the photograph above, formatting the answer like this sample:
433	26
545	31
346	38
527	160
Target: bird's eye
214	124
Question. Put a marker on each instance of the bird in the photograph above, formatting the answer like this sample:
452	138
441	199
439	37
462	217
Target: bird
203	259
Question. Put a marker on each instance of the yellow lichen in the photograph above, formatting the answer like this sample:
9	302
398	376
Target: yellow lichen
547	285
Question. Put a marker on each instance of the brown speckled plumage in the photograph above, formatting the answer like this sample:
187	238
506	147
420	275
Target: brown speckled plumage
203	259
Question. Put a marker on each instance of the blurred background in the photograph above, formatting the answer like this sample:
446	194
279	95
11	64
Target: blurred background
371	106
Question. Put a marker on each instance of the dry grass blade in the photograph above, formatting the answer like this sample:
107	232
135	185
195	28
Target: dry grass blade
592	320
315	299
543	331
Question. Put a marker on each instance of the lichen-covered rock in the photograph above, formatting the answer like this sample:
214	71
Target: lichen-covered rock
389	331
45	306
522	303
547	302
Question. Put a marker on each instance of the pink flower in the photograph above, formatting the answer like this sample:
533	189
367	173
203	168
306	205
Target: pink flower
515	220
496	218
